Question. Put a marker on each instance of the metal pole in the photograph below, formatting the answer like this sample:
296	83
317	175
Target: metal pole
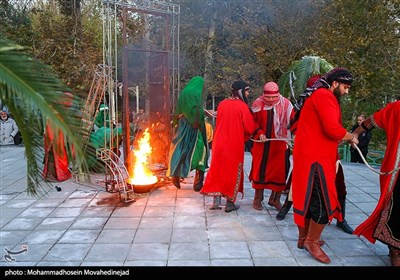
137	99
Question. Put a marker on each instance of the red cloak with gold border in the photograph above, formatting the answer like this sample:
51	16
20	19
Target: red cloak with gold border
375	227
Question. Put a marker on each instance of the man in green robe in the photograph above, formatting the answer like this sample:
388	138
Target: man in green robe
189	149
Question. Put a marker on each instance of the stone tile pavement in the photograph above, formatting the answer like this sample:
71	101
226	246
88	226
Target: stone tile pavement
83	225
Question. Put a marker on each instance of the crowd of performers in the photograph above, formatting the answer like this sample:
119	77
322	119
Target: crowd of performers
314	181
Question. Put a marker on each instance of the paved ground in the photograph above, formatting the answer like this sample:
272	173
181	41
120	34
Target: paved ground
83	225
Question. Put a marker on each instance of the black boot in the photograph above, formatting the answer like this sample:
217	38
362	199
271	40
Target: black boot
343	225
176	181
285	209
230	206
198	180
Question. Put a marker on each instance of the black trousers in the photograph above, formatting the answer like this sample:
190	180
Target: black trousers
317	208
17	138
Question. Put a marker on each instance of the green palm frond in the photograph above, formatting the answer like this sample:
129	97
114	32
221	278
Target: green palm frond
34	95
299	72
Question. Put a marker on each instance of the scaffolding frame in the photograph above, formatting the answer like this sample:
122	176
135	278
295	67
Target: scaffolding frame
110	33
111	11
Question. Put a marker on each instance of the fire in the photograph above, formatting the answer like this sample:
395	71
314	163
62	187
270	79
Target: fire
141	174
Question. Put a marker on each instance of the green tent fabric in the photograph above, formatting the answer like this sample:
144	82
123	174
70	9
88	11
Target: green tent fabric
293	81
101	139
103	117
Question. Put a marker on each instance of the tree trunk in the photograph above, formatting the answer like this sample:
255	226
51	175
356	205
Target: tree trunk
209	53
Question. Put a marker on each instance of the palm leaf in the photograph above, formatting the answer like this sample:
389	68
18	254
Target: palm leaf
293	82
34	95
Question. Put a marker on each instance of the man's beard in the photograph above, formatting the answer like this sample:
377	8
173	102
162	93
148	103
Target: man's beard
337	93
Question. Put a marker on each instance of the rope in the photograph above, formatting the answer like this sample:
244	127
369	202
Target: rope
397	167
287	140
292	76
273	139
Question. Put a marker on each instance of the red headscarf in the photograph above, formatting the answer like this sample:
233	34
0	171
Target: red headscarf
282	106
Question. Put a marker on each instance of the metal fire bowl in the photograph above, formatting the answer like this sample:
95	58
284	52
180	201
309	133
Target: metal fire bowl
142	188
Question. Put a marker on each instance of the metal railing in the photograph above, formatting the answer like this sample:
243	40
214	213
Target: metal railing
374	157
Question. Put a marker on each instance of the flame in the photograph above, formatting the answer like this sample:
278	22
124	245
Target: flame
141	174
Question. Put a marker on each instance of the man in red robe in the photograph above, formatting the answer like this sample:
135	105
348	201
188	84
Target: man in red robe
384	222
270	164
340	182
234	126
319	130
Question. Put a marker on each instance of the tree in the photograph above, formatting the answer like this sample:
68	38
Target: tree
67	37
251	40
33	94
363	36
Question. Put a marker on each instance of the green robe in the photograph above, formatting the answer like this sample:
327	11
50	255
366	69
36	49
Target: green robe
189	149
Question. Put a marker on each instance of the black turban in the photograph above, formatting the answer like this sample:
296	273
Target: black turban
238	89
340	75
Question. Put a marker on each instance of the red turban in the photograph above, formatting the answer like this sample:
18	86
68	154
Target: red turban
313	79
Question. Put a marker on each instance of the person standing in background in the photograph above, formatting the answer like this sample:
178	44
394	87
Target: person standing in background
270	164
8	129
140	121
363	139
209	132
189	149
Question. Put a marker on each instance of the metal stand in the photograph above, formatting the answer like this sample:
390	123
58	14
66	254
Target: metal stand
117	176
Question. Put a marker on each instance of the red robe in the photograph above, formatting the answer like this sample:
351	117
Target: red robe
234	126
270	160
59	152
375	227
315	146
